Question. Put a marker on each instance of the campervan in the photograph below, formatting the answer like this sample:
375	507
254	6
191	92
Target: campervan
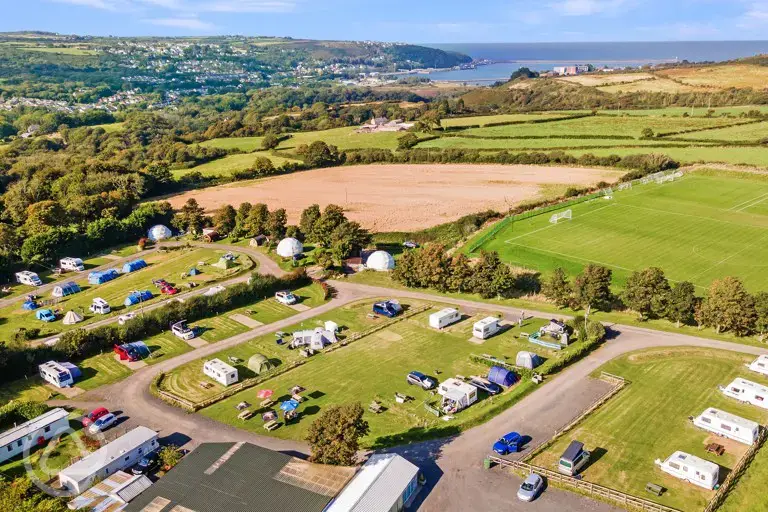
220	371
747	391
486	328
573	459
28	277
760	365
728	425
691	469
444	318
99	306
72	264
182	330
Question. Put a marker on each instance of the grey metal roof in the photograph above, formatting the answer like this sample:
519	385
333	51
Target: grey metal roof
32	425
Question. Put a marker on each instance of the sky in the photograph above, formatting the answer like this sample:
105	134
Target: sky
425	21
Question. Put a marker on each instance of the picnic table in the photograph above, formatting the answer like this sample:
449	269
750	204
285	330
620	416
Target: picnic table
271	425
375	407
298	397
244	415
205	385
267	403
654	488
715	448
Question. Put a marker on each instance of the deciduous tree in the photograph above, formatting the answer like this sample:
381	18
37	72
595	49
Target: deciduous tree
682	303
647	292
334	437
191	217
557	288
729	307
592	288
224	219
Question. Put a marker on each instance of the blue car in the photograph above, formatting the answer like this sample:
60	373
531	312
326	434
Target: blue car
510	443
389	308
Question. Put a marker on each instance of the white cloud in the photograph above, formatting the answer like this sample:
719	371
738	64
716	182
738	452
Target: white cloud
107	5
187	23
586	7
244	6
190	6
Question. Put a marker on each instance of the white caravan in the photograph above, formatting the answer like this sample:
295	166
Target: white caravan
691	469
728	425
457	395
486	328
220	371
99	306
760	365
444	318
747	391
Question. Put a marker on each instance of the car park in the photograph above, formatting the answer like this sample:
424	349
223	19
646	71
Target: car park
94	415
509	443
485	385
419	379
530	488
286	297
102	424
147	463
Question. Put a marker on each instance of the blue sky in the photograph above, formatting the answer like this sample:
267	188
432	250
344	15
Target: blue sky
433	21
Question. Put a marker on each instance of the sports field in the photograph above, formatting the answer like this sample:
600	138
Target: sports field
698	228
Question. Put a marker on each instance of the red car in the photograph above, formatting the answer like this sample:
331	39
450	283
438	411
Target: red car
169	290
94	415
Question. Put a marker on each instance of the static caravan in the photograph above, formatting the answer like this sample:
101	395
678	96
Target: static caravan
220	371
760	365
728	425
72	264
34	432
747	391
29	278
691	469
61	375
486	328
457	395
444	318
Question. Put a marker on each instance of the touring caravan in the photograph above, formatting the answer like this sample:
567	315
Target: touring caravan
728	425
486	328
61	375
760	365
72	264
28	277
747	391
457	395
220	371
444	318
691	469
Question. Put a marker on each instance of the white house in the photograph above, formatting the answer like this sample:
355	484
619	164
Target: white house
28	277
728	425
220	371
29	434
444	318
486	328
691	469
385	483
457	395
123	452
747	391
760	365
72	264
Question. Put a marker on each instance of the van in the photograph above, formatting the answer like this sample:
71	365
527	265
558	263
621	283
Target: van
573	459
29	278
72	264
99	306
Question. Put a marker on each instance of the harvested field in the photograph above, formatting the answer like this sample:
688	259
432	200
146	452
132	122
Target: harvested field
400	197
721	77
606	78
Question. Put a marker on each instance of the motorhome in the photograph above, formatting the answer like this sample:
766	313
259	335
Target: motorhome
573	459
72	264
457	395
444	318
486	328
747	391
29	278
220	371
691	469
99	306
728	425
760	365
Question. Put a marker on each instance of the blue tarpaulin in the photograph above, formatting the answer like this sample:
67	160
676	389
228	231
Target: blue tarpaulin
289	405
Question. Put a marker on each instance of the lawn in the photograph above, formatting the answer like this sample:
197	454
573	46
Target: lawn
110	127
500	118
749	493
753	132
750	155
343	138
100	370
649	420
545	144
231	163
657	84
698	228
246	144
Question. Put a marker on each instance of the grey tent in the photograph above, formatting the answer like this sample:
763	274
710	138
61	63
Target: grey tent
527	360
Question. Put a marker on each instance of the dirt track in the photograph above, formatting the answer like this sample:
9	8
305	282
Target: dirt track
400	197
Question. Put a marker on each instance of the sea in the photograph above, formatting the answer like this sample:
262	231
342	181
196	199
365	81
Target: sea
509	57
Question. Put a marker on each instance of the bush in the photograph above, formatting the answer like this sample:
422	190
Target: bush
19	411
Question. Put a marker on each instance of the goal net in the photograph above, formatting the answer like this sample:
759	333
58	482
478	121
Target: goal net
557	217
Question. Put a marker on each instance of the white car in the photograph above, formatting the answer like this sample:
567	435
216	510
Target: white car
531	488
182	330
124	318
286	297
102	424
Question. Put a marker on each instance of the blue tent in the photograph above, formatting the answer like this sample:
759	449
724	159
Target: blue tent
133	266
64	289
137	296
193	272
103	276
73	370
501	376
29	305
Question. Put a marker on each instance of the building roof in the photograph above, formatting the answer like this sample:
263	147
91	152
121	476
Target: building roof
218	364
486	321
240	477
112	493
694	462
726	416
749	384
32	425
445	312
377	486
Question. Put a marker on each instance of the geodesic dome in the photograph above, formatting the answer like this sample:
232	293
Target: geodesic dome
289	247
380	260
159	232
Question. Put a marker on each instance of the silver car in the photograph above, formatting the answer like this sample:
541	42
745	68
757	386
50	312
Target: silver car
530	488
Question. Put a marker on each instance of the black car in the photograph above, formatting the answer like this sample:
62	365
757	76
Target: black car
147	463
488	387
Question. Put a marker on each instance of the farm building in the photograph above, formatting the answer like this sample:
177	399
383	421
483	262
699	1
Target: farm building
760	365
159	232
527	360
65	289
380	261
29	278
385	483
728	425
112	493
747	391
134	351
133	266
72	318
259	364
501	376
136	297
123	452
457	395
220	371
486	328
691	469
72	264
316	339
61	375
289	247
34	432
103	276
444	318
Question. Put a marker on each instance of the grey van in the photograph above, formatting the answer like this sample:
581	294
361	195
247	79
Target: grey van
573	459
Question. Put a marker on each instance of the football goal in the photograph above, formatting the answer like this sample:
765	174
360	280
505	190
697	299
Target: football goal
557	217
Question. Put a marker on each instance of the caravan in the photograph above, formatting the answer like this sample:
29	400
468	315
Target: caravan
691	469
760	365
72	264
486	328
728	425
747	391
457	395
220	371
61	375
444	318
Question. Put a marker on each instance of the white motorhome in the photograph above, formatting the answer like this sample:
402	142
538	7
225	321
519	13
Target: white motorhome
100	306
72	264
691	469
444	318
220	371
728	425
457	395
759	365
747	391
29	278
486	328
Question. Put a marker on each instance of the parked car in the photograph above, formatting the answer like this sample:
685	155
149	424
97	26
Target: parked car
182	330
530	488
510	443
410	244
286	297
124	318
102	424
169	290
419	379
485	385
147	463
573	459
94	415
389	308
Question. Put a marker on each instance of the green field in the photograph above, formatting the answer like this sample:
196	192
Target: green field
547	144
649	420
749	155
343	138
749	493
753	132
698	228
500	118
231	163
693	112
245	144
110	127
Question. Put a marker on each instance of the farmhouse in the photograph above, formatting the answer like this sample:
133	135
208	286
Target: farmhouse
123	452
61	375
728	425
747	391
457	395
760	365
444	318
691	469
34	432
220	371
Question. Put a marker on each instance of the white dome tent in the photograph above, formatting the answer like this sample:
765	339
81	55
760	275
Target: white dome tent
159	232
381	261
289	247
72	318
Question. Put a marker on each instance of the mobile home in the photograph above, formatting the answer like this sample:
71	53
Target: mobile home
72	264
29	278
444	318
747	391
220	371
34	432
486	328
728	425
61	375
457	395
691	469
760	365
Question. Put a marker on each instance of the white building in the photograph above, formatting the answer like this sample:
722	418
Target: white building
728	425
747	391
486	328
123	452
385	483
28	277
444	318
13	442
289	247
220	371
72	264
691	469
380	261
457	395
760	365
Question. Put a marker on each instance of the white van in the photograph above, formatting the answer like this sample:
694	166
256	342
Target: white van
444	318
691	469
728	425
486	328
72	264
29	278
